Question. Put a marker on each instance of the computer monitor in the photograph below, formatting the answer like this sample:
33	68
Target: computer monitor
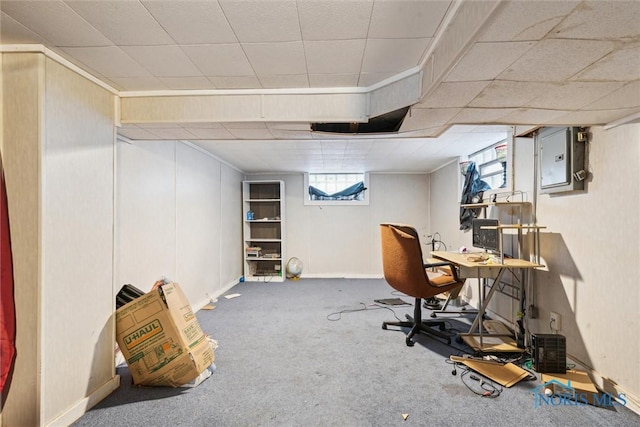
485	237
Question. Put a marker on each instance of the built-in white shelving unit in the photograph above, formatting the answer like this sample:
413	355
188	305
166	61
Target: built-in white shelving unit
264	231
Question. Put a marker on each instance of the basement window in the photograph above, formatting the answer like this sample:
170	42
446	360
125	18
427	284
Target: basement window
492	164
338	189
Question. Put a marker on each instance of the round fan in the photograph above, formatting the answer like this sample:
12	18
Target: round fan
294	268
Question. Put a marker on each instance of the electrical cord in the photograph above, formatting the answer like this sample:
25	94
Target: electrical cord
332	316
475	382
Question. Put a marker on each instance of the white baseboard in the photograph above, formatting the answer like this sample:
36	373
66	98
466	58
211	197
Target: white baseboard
80	408
211	297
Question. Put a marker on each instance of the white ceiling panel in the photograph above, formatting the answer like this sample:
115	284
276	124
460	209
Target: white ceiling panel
527	20
276	58
125	23
163	61
334	20
485	61
192	22
621	65
531	64
557	60
259	21
13	32
334	56
219	59
55	22
111	61
407	19
453	94
392	55
187	83
600	19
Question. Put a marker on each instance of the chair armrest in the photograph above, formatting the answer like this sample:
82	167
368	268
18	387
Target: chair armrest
452	267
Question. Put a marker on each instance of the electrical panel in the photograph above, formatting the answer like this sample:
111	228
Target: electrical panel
561	153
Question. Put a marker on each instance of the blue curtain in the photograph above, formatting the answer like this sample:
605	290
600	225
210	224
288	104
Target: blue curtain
350	193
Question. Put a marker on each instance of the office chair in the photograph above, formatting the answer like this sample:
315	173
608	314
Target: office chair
405	270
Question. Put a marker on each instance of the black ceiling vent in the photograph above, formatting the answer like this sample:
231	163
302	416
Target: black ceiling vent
386	123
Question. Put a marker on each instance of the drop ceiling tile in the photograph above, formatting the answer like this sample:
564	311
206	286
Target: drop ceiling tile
621	65
206	133
627	96
593	118
502	94
573	95
55	22
259	21
601	20
532	116
192	22
276	58
393	55
219	59
369	79
13	32
334	20
139	83
172	133
290	134
288	126
334	56
455	94
556	60
481	115
244	125
151	126
125	23
426	118
237	82
485	61
109	61
204	125
289	81
163	61
136	133
407	19
251	133
333	80
526	20
187	83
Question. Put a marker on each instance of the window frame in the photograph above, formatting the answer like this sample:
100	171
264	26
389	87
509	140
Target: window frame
493	161
308	202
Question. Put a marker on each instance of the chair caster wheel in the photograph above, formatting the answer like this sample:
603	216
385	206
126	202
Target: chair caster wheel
459	340
384	326
409	343
448	342
433	315
442	327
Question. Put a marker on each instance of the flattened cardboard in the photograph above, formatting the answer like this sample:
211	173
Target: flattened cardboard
504	374
581	387
161	339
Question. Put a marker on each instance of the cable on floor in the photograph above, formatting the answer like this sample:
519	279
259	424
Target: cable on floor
332	316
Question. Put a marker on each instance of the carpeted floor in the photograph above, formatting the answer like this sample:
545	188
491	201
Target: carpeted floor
312	353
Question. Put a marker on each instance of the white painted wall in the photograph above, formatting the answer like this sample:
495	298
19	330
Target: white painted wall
178	216
344	241
591	251
58	149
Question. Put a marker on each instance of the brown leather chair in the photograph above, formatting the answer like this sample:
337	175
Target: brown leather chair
405	270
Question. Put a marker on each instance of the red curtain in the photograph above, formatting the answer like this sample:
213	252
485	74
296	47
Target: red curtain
7	308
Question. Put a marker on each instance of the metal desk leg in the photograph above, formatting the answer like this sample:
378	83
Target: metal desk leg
484	302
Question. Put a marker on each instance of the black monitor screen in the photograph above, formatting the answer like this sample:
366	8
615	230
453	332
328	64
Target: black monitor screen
486	238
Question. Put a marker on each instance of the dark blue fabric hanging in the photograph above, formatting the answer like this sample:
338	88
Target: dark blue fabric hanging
350	193
472	192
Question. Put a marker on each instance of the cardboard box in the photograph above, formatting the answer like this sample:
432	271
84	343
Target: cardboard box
161	339
575	385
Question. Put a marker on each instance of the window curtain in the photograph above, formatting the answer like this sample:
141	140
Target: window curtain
350	193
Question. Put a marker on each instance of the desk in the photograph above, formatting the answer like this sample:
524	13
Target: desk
482	270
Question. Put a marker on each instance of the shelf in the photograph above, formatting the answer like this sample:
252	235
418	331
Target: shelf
513	227
486	205
262	239
262	220
262	259
262	200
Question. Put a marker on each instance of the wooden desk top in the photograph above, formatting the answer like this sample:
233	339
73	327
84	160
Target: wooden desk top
462	260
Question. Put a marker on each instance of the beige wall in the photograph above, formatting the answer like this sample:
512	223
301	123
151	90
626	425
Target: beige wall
344	241
591	251
58	149
178	216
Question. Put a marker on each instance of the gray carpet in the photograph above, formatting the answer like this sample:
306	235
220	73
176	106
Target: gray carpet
281	361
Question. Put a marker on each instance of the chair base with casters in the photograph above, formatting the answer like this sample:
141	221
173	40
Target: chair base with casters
418	325
443	309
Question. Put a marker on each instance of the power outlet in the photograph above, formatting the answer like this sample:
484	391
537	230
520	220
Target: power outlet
554	321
